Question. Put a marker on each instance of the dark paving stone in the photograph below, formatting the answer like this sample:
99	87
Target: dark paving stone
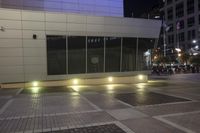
110	128
149	125
147	98
43	90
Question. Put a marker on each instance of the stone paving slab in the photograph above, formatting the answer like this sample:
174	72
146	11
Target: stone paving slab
53	122
3	101
42	105
105	101
9	91
190	121
43	90
149	125
170	108
124	114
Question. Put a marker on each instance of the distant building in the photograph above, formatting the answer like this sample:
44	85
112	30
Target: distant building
183	19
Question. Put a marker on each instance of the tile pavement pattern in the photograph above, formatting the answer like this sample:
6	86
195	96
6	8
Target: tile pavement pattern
172	107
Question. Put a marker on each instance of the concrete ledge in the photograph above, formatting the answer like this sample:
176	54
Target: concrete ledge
88	80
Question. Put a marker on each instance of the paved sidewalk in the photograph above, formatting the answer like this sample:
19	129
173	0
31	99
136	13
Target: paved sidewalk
169	105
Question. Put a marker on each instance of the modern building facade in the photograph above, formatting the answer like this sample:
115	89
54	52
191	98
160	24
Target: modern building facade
87	7
183	19
44	43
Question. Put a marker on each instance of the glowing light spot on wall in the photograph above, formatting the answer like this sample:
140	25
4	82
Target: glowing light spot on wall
141	77
110	79
75	81
35	83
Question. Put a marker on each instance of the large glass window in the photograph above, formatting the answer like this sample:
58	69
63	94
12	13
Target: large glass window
113	54
180	10
170	13
95	54
76	54
56	55
129	54
144	53
190	6
191	22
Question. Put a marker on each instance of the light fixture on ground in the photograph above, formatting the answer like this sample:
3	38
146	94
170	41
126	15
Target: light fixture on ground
140	77
35	84
75	81
194	41
35	90
110	79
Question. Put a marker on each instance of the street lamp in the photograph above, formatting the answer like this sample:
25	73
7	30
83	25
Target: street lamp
178	49
194	41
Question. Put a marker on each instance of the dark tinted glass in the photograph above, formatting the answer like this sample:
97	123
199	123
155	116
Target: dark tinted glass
56	55
95	54
113	53
129	54
76	54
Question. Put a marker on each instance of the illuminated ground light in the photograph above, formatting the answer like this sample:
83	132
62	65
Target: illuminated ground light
141	87
35	89
110	89
76	88
141	77
75	81
110	79
35	84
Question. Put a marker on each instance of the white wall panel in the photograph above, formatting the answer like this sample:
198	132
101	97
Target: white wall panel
76	18
33	16
11	61
11	24
56	33
76	27
31	43
16	34
56	26
11	70
11	78
28	34
35	69
34	77
11	52
34	52
95	20
10	43
95	27
56	17
10	14
35	61
30	25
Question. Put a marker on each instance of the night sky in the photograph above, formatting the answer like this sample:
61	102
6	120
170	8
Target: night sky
138	7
